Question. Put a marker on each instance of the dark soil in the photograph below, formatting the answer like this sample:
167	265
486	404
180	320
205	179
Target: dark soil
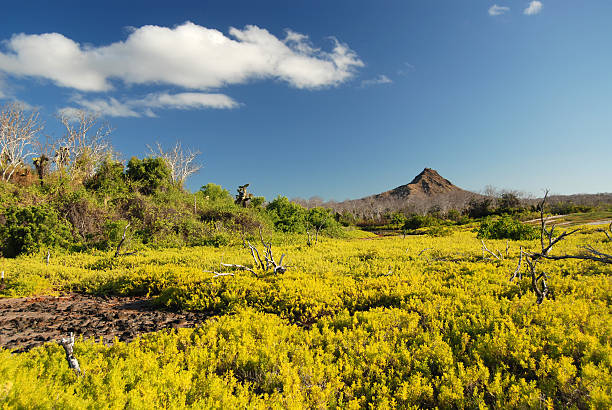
29	322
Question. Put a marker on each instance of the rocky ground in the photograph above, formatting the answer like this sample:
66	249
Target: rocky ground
29	322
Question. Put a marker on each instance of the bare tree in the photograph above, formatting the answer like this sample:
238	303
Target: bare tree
547	241
182	163
18	131
85	143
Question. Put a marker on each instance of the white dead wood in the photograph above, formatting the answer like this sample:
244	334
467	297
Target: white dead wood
268	261
18	134
182	163
265	264
85	143
239	267
68	344
118	251
497	255
218	274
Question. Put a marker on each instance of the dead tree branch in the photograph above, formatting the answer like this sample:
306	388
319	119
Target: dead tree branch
497	256
547	241
85	143
68	344
182	163
118	251
18	131
605	231
217	274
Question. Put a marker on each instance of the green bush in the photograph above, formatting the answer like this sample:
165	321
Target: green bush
27	229
286	215
323	219
108	181
216	194
506	227
421	221
438	231
148	174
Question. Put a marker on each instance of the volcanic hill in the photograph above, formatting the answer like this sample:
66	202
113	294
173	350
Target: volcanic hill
428	189
427	184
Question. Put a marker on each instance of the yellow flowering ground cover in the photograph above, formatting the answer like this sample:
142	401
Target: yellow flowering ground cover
354	323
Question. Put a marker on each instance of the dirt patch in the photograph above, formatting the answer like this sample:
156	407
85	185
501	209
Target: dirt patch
29	322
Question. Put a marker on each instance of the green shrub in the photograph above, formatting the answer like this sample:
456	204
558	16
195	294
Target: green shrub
421	221
216	194
28	228
506	227
323	219
287	216
148	174
108	181
438	230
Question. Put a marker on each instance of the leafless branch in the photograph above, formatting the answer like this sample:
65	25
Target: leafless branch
85	143
517	272
607	232
497	256
547	241
18	131
182	163
117	252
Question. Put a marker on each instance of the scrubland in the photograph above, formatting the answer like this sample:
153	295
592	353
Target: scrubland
388	322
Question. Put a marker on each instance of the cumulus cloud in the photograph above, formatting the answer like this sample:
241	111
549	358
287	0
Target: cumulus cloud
189	56
534	8
496	10
381	79
145	106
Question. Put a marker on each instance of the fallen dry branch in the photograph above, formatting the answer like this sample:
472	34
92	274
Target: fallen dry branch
239	267
423	250
217	274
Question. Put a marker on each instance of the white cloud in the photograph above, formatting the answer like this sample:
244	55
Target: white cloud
496	10
381	79
111	107
534	8
406	69
144	106
188	56
186	101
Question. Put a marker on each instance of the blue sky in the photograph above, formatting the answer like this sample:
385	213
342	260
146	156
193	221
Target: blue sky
339	99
